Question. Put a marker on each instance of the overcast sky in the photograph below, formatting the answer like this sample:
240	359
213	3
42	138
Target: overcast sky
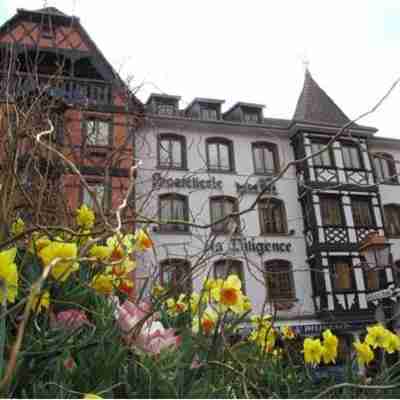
250	51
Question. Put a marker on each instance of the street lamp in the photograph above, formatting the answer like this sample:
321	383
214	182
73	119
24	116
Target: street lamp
376	251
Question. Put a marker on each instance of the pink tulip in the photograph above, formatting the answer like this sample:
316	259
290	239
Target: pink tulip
71	319
152	337
130	314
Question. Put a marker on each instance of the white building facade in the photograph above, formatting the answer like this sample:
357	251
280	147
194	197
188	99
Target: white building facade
294	243
198	166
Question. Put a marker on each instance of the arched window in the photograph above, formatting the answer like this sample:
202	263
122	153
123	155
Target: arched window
226	267
172	151
392	219
176	275
279	280
173	209
272	216
220	155
385	168
265	158
220	207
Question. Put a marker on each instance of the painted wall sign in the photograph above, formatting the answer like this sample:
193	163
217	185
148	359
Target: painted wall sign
252	246
257	187
192	182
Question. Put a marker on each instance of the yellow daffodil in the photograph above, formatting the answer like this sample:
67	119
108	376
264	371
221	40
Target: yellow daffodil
288	332
85	217
63	268
194	302
330	346
312	349
142	240
8	275
364	353
103	283
158	291
377	336
207	321
41	301
229	294
330	340
102	253
393	343
38	243
176	307
18	227
264	336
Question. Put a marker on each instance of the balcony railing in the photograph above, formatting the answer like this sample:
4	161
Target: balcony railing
71	90
338	235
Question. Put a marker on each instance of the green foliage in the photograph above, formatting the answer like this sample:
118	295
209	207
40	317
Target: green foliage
58	362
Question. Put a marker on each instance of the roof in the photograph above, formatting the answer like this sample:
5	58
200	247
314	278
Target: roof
162	96
243	104
64	18
50	11
204	100
314	105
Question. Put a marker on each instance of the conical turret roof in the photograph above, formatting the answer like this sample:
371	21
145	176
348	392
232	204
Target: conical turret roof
314	105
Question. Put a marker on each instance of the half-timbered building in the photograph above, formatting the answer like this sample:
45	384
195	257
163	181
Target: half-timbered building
50	62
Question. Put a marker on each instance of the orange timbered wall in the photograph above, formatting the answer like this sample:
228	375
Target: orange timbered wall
29	33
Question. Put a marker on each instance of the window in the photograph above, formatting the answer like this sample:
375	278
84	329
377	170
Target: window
251	117
272	216
265	158
99	189
176	275
331	210
385	168
97	132
224	268
279	280
209	114
375	279
220	155
173	207
351	156
392	219
172	151
325	159
165	109
342	274
220	207
362	211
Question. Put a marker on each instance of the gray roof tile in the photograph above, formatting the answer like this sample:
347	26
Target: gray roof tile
314	105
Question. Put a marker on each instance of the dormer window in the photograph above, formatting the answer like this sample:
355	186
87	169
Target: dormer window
165	109
163	104
248	113
209	114
251	117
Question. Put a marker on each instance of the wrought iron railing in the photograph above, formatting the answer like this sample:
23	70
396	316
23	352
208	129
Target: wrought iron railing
71	90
